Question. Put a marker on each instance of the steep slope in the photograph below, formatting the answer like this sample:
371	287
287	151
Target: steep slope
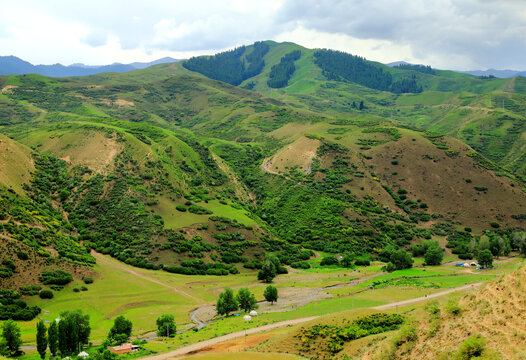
493	315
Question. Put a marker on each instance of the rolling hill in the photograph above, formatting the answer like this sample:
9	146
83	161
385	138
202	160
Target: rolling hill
486	113
164	168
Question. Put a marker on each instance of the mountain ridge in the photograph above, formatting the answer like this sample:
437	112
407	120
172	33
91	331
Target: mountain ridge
12	65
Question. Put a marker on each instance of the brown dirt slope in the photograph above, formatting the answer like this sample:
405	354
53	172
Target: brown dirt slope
300	154
92	148
446	181
28	271
496	312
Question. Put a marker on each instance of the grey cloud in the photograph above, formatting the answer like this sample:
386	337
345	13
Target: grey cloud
476	33
477	30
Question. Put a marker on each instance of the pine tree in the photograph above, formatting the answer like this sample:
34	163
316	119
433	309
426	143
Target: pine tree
52	333
11	334
41	339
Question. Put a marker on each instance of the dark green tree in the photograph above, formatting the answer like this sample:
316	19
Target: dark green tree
485	258
271	294
347	260
246	300
226	303
11	335
434	255
73	332
52	335
121	326
166	325
267	272
401	259
41	339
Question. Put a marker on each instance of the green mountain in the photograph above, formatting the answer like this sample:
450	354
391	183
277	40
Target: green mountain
486	113
166	168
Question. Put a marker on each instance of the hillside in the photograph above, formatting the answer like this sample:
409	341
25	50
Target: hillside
486	113
165	169
487	322
492	315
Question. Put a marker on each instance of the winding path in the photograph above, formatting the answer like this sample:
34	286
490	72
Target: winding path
217	340
206	343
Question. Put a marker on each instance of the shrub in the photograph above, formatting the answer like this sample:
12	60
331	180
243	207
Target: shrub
495	225
481	188
22	255
329	260
434	255
88	280
472	347
405	335
401	259
453	308
181	208
46	294
362	262
30	290
76	290
56	277
83	288
389	267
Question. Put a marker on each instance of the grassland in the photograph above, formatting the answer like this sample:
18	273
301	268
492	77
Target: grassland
143	295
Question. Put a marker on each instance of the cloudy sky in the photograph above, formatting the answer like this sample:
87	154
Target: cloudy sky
461	34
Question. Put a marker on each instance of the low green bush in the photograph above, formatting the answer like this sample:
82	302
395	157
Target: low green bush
46	294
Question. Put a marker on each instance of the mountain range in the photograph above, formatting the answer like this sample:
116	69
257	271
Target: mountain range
12	65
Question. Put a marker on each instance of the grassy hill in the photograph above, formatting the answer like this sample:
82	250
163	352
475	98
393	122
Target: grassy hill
166	170
187	165
486	113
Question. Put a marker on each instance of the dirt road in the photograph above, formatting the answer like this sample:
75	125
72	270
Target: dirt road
428	297
203	344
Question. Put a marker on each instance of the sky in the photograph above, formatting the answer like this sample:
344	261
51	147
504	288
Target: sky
446	34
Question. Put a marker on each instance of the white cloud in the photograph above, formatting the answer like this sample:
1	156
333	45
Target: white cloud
442	33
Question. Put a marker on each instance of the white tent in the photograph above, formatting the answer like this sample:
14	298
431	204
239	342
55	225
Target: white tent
83	355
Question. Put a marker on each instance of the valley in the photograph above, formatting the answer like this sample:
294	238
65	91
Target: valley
354	193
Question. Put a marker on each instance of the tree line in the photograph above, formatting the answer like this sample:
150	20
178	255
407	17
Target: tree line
244	300
229	66
340	66
68	334
281	73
